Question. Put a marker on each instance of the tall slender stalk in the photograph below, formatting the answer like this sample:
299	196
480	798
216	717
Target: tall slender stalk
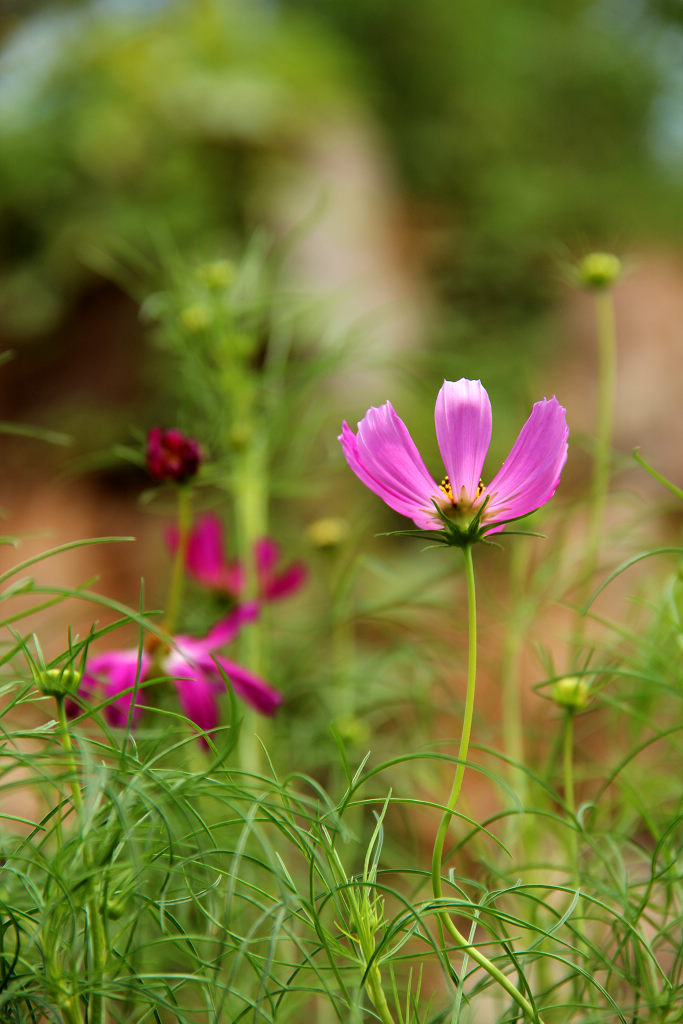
437	855
607	363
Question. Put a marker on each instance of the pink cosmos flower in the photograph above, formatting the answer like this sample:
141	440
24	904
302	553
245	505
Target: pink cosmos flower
191	665
206	561
383	455
171	455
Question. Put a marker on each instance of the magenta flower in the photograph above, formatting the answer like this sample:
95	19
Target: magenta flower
171	455
383	455
191	665
206	561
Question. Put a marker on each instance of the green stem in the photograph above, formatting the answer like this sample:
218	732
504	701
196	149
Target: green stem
97	936
437	855
607	363
377	996
342	638
175	590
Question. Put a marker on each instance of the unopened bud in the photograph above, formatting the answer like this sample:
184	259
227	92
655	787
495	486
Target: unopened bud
571	692
58	682
599	270
328	532
217	274
353	730
239	435
195	318
171	455
115	907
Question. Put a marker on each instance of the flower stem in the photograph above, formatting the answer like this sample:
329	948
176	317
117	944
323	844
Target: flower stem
377	996
96	932
607	363
437	855
175	590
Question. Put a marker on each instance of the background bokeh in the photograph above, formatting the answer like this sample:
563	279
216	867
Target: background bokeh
447	161
423	177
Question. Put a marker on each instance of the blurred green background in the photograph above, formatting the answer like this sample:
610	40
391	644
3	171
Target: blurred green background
424	175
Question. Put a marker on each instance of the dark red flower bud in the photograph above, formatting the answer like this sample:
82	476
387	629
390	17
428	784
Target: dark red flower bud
171	455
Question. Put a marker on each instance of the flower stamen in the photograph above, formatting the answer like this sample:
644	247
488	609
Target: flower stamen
445	486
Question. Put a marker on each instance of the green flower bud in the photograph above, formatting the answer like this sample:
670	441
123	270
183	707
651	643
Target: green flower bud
58	682
329	532
353	730
239	435
571	692
217	274
195	318
599	270
115	906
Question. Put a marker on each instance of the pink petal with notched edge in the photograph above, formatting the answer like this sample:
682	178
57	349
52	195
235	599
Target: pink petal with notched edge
462	417
384	457
251	688
531	472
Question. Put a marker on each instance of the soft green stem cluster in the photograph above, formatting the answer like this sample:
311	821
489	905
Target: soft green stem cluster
364	909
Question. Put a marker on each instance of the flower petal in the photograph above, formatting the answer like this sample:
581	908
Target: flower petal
531	472
198	648
272	584
121	672
282	584
251	688
225	631
384	457
205	556
462	417
266	555
197	696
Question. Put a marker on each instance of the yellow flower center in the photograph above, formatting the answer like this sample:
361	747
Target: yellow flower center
445	486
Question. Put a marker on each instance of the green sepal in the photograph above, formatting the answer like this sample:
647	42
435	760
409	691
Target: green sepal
58	682
455	535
